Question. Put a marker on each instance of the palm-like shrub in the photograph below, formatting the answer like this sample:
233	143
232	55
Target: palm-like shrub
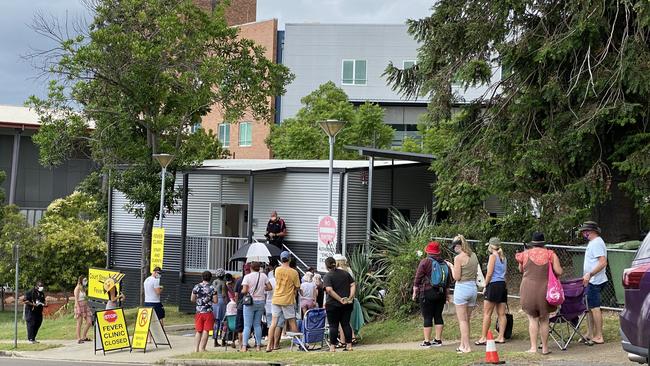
370	279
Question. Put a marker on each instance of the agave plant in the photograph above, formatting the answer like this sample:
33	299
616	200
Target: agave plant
370	279
392	242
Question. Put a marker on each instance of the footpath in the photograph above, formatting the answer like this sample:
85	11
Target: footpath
577	354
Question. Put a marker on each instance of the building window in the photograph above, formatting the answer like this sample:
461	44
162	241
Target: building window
224	134
354	72
196	127
407	64
245	134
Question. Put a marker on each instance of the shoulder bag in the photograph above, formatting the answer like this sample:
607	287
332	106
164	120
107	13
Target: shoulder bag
554	291
248	298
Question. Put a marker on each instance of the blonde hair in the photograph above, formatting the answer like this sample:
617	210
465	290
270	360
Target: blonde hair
464	245
499	251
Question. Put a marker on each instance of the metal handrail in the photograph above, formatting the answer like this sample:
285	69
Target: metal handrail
297	258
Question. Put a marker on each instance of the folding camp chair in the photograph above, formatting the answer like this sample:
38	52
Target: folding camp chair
312	330
231	326
565	324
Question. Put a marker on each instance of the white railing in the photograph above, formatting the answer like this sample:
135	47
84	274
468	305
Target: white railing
212	252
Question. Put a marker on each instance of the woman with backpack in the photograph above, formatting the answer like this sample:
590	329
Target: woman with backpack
496	293
430	286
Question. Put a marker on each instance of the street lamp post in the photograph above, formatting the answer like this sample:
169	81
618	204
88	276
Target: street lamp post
163	160
331	127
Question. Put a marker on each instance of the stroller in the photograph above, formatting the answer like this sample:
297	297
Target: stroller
565	324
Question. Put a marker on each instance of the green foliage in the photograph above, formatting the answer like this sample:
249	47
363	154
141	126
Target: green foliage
71	241
300	137
14	229
145	72
399	250
370	279
569	121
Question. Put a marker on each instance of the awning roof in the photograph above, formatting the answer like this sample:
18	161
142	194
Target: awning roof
392	154
256	166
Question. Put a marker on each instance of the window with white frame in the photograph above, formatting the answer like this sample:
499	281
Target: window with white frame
245	134
407	64
354	72
224	134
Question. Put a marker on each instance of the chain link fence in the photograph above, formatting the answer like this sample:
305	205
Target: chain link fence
571	259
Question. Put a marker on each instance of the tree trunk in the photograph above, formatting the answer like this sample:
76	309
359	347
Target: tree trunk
146	254
617	217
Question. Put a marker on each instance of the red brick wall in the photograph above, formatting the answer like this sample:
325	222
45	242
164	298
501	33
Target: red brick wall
265	34
239	11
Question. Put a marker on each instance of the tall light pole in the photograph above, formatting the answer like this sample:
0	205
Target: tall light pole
331	127
163	160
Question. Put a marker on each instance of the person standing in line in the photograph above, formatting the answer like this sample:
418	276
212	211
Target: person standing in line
115	297
309	293
496	292
284	297
34	302
430	286
533	263
203	295
82	310
341	289
254	284
320	295
269	313
219	308
464	273
276	230
239	322
152	291
594	279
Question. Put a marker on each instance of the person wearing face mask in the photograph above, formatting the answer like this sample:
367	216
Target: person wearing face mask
276	230
152	291
594	279
82	310
34	302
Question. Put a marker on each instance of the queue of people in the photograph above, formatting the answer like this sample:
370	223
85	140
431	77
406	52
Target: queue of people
433	281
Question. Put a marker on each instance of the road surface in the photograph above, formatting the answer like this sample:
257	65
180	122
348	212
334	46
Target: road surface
7	361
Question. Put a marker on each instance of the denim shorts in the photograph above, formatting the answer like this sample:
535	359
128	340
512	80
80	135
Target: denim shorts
465	293
593	295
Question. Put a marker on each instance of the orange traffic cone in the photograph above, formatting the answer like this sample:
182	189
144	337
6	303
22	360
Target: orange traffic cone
491	354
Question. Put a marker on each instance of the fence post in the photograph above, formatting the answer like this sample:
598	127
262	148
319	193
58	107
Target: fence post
16	258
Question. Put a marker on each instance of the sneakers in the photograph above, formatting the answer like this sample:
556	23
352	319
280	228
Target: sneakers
425	344
436	343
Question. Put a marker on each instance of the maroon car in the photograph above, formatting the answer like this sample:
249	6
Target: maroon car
635	318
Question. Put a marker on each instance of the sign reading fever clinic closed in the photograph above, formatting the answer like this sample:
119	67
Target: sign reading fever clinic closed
110	330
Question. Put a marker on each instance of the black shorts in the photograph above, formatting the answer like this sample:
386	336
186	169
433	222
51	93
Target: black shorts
496	292
239	323
158	308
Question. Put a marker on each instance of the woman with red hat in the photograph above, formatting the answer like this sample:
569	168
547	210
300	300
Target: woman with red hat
430	286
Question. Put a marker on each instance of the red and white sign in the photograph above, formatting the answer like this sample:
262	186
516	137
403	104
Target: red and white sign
327	238
110	316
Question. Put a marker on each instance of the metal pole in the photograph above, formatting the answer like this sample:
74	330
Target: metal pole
16	254
371	166
331	175
162	195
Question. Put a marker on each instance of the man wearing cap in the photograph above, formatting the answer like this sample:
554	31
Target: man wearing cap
152	291
287	284
276	230
594	278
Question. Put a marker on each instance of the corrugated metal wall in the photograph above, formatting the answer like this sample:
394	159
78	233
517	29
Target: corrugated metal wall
356	209
412	189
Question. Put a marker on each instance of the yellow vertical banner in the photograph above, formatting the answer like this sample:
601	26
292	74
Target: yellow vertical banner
142	322
157	247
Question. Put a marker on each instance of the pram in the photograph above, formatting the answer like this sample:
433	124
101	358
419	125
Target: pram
565	324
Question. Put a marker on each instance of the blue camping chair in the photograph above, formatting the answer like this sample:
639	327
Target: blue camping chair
312	330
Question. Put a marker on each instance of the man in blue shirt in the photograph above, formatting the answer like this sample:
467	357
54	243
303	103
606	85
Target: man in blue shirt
594	278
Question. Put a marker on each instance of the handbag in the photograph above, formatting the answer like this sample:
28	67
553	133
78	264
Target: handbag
248	298
480	278
507	333
554	291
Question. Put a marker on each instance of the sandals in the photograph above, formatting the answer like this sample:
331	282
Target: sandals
482	343
592	343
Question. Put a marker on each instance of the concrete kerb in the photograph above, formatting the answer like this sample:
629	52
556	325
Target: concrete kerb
182	362
179	327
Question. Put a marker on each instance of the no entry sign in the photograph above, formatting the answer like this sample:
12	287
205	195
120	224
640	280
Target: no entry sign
327	237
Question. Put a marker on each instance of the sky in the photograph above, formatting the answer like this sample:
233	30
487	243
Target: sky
18	77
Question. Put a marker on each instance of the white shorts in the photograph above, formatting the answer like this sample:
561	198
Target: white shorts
465	293
287	311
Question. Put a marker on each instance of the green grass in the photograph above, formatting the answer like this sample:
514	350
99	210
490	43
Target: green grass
357	357
63	325
28	346
410	330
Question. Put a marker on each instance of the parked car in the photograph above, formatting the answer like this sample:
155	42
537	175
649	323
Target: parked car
635	318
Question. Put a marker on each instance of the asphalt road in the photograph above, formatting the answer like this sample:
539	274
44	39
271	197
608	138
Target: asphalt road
5	361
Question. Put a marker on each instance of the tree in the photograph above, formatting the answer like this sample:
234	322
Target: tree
144	72
301	137
565	131
14	229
